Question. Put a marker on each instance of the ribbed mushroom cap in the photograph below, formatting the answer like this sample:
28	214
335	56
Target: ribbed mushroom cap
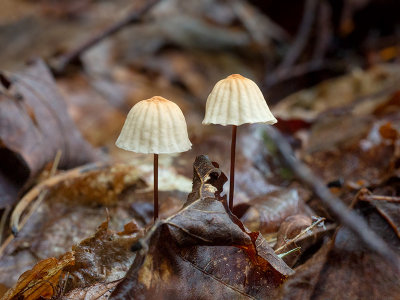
155	125
237	100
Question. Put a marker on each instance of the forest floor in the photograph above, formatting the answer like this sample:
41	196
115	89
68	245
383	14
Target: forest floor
317	220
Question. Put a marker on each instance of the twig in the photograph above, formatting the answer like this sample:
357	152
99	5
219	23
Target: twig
294	71
302	36
3	219
14	222
379	198
259	26
41	187
286	68
297	237
348	218
324	34
6	242
72	56
15	226
282	255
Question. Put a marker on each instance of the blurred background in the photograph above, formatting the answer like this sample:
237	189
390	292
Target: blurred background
70	70
321	65
179	50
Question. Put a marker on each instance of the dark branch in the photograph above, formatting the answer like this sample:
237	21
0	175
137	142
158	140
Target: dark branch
132	18
346	217
303	34
286	67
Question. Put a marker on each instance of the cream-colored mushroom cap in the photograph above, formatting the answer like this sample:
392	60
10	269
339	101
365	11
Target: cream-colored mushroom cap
155	125
237	100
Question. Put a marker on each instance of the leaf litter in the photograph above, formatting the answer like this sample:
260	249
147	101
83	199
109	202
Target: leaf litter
206	241
364	153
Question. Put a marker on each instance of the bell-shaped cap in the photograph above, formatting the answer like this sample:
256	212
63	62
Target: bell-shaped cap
237	100
155	125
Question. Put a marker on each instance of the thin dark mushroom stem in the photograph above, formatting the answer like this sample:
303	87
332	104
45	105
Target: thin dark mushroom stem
232	172
155	187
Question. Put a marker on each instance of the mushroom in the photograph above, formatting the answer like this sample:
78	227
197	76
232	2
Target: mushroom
155	125
236	100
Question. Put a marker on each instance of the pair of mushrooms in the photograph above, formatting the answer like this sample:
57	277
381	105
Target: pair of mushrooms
157	125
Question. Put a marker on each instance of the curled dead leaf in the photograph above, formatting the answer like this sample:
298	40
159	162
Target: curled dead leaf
34	125
203	247
98	291
42	280
267	212
105	257
345	269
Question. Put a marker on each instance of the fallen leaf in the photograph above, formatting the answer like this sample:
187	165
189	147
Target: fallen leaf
74	205
42	280
356	151
99	291
300	232
267	212
206	241
34	125
105	257
339	92
346	269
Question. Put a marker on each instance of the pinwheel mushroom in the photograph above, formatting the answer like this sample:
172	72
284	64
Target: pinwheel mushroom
236	100
155	125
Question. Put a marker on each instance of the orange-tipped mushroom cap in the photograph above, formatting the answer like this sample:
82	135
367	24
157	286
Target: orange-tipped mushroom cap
237	100
155	125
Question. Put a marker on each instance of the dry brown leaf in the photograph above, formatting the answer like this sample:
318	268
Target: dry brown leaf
34	125
356	151
74	206
104	257
99	291
267	212
299	233
41	281
203	247
339	92
346	269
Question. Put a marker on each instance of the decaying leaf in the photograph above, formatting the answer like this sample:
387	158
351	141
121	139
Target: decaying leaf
297	234
255	175
74	206
346	269
203	247
34	125
267	212
339	92
42	280
363	155
99	291
105	257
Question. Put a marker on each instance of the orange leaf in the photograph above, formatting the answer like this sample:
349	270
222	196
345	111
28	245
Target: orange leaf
41	280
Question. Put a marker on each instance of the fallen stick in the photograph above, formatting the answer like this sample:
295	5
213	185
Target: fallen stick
42	188
346	217
302	36
297	237
380	198
72	56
